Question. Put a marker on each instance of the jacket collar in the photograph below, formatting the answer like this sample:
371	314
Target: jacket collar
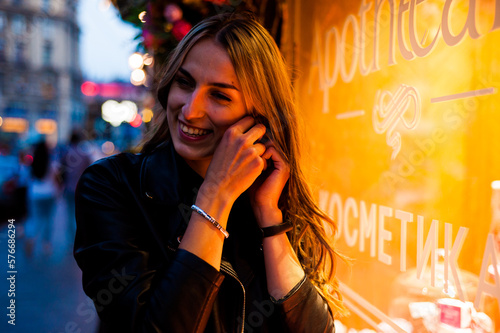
166	178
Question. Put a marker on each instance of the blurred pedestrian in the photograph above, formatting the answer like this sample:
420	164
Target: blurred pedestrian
42	193
73	162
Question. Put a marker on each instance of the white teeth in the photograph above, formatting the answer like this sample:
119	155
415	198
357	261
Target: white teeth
193	131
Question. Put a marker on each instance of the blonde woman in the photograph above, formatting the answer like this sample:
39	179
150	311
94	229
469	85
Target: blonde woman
212	227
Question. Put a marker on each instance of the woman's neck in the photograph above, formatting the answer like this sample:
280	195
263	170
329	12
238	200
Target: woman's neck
199	166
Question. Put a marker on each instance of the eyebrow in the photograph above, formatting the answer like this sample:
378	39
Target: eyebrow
215	84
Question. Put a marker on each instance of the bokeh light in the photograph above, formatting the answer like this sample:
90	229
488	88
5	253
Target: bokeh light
148	59
46	126
27	159
115	113
142	15
14	125
147	115
90	88
108	147
138	77
135	61
137	121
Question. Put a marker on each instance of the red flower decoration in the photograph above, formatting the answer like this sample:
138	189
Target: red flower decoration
180	29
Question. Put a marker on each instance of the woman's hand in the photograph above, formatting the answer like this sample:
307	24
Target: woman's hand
237	161
266	190
235	165
283	269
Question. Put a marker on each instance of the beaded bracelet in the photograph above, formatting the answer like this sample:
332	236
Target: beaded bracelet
210	219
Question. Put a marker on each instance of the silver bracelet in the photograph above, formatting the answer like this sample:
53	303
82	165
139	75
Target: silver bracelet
211	219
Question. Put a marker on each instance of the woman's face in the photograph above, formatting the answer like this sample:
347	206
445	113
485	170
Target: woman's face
205	98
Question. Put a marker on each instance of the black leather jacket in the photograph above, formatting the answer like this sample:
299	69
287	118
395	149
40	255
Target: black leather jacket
131	213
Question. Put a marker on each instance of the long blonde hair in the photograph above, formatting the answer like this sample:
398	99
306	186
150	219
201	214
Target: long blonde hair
267	88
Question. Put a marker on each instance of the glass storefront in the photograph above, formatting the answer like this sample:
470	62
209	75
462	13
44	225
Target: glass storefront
400	100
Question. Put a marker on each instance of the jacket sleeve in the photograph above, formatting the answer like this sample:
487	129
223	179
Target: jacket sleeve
131	291
305	311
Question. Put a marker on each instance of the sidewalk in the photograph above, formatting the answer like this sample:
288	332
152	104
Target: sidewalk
48	292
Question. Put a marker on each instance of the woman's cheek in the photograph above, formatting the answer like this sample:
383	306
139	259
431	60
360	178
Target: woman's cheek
227	116
176	99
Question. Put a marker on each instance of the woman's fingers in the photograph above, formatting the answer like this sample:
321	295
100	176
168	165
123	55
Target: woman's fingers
259	148
275	156
256	133
246	130
267	191
242	125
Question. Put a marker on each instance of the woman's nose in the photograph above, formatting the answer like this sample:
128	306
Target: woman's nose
195	107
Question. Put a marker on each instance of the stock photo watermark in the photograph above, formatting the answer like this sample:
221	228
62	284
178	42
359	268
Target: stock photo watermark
455	118
11	272
256	318
88	309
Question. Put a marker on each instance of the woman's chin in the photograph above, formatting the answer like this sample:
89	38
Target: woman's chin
193	153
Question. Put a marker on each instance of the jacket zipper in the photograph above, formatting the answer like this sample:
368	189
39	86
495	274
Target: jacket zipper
226	268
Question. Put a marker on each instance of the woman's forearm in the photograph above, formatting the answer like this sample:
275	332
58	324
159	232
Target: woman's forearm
202	238
283	270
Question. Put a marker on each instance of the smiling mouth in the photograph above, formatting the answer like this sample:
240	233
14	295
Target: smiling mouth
192	131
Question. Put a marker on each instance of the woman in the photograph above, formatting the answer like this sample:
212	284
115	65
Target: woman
42	193
189	235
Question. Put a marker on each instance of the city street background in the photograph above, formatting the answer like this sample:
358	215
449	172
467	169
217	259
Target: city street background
49	296
48	291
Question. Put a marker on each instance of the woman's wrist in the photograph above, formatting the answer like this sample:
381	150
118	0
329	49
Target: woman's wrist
212	190
214	203
268	217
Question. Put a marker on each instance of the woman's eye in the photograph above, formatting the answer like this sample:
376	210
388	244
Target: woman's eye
183	82
222	97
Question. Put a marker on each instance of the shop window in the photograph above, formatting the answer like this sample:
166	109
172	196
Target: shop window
403	103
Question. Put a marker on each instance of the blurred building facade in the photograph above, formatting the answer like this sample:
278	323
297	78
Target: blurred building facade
40	74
